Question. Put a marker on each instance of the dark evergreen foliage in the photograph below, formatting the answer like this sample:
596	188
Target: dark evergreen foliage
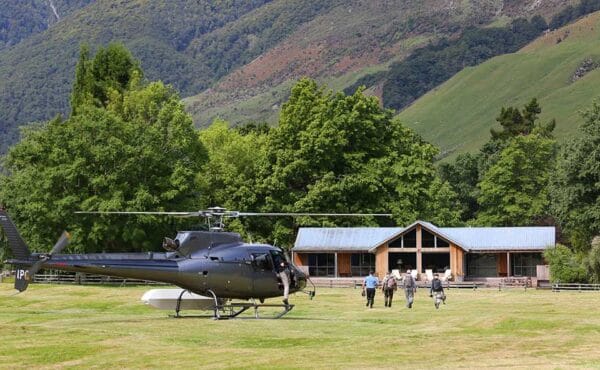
571	13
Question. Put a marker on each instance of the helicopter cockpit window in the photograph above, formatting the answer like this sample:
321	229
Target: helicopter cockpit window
262	261
278	257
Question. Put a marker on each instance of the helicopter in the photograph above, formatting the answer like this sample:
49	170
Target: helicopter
214	264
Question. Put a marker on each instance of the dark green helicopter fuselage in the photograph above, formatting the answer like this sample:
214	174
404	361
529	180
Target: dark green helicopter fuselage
200	261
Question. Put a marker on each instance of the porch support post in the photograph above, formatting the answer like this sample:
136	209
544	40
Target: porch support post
335	266
419	246
508	264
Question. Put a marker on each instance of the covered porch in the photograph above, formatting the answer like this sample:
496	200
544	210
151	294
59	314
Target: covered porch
503	264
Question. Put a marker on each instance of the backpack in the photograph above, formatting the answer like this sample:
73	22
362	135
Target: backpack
409	282
436	285
391	283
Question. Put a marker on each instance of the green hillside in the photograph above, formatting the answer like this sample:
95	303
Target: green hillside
350	41
457	115
22	19
186	44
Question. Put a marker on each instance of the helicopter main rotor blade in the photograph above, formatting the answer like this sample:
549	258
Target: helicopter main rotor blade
62	242
314	214
176	214
37	266
222	212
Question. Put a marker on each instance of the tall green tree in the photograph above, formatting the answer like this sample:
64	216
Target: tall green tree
469	170
575	186
105	78
140	152
463	175
338	153
230	176
514	191
83	83
514	123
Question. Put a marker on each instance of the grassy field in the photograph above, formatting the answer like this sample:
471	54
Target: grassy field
53	326
458	114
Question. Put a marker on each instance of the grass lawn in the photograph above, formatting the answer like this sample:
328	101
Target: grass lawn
62	326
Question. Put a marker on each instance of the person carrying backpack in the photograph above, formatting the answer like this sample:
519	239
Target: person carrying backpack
388	288
438	290
410	287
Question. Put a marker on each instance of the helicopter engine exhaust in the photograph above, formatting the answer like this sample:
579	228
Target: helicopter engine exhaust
170	244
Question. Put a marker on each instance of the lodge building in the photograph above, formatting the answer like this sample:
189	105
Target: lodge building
469	252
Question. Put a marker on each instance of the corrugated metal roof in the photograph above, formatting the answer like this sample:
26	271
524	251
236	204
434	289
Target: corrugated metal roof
502	238
475	239
343	238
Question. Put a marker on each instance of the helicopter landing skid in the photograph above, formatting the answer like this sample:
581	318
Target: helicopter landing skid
232	310
246	306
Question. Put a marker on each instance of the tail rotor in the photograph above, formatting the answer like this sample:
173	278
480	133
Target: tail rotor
62	242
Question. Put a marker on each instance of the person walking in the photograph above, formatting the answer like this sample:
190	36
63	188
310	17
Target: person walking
388	287
437	290
410	287
370	285
283	272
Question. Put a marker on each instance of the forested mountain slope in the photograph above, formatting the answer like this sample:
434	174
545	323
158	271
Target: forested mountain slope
22	19
560	69
237	53
186	44
346	43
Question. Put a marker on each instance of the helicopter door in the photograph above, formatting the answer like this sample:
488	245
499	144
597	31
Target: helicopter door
265	280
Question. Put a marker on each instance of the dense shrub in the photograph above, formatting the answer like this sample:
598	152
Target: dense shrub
593	261
565	266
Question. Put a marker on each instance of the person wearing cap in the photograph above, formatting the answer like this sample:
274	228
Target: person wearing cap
370	285
410	287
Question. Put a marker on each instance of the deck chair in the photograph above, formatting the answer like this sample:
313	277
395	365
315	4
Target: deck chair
414	274
396	274
447	275
429	274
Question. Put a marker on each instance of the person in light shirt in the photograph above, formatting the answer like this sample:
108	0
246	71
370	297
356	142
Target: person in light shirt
370	285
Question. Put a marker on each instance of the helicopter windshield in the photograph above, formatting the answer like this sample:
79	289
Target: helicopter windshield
278	258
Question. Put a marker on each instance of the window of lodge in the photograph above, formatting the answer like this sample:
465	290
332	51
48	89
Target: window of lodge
362	263
428	239
410	239
525	264
481	265
321	264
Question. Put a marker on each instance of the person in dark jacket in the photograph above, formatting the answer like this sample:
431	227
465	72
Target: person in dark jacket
438	290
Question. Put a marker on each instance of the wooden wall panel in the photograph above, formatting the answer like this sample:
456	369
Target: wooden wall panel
457	256
344	264
300	259
381	261
501	264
